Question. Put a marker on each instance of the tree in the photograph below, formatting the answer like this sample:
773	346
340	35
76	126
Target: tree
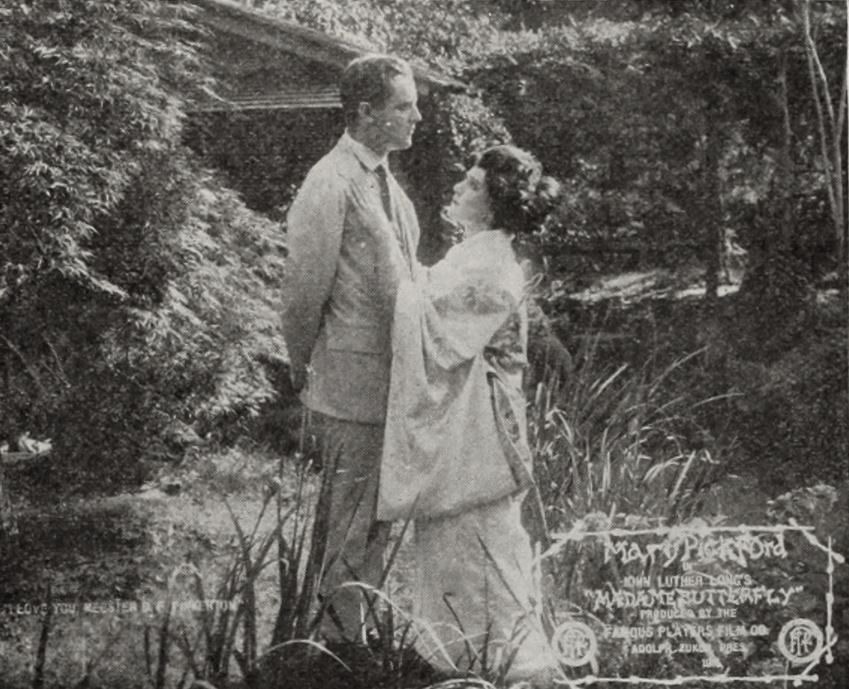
830	127
138	293
440	33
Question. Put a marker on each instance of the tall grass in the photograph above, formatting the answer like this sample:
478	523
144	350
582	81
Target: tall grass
249	643
217	639
614	446
613	441
217	635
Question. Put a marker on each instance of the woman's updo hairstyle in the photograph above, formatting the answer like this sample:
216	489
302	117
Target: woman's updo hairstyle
520	196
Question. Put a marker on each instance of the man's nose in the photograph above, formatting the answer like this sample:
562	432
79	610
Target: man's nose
417	115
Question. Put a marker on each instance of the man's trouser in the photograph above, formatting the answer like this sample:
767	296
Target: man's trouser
348	543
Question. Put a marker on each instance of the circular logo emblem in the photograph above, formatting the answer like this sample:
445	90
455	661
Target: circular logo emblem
800	641
575	643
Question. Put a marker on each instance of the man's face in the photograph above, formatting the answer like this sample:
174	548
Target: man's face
395	121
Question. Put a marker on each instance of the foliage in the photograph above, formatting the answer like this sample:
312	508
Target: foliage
75	132
616	442
258	625
672	107
795	413
219	632
441	33
615	447
666	116
119	252
470	127
250	155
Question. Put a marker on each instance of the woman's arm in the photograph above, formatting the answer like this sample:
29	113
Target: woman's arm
389	265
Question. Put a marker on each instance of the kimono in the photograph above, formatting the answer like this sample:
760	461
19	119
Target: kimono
456	459
453	438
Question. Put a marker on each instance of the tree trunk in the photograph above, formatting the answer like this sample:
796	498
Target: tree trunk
775	296
785	166
830	126
713	231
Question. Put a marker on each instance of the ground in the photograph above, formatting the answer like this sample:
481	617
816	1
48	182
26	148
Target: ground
96	558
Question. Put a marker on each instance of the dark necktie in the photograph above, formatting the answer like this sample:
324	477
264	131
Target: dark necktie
385	196
384	190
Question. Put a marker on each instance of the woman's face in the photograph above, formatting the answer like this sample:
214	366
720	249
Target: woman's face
470	206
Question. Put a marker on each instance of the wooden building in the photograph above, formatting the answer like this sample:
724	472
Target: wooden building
276	110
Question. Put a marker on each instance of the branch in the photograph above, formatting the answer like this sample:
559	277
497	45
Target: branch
837	152
836	131
32	372
62	376
820	70
841	112
41	652
785	160
810	53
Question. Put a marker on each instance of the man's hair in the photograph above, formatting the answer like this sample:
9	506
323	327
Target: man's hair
366	80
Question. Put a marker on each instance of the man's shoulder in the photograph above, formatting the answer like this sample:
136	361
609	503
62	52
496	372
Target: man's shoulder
325	189
338	165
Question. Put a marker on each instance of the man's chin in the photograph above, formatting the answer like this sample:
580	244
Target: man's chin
400	146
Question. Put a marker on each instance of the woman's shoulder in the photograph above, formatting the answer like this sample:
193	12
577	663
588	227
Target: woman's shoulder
490	262
489	249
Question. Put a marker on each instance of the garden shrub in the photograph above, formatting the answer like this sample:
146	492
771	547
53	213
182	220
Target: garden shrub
139	293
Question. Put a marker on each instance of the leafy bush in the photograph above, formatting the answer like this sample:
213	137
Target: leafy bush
139	293
441	33
794	414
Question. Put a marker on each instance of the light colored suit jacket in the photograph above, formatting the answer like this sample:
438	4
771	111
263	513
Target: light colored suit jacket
335	320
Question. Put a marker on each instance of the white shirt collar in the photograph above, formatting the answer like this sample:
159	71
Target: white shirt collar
364	154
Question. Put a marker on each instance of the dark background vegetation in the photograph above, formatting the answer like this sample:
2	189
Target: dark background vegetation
139	295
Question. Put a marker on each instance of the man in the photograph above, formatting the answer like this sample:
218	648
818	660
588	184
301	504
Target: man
338	329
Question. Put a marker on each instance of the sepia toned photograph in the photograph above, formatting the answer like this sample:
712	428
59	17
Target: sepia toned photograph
424	344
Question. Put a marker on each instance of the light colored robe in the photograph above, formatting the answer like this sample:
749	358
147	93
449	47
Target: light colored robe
450	441
456	458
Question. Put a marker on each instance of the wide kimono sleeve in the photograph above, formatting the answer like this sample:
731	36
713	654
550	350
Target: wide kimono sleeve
443	450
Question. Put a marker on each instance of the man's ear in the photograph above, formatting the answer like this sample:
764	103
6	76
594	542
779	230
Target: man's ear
365	111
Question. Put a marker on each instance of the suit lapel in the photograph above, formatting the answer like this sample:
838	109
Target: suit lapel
406	225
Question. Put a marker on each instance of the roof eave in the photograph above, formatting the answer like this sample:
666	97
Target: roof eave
229	17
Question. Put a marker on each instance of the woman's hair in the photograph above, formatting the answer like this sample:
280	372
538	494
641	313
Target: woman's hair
520	196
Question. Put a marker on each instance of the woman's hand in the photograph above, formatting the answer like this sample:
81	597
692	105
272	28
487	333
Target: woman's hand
373	218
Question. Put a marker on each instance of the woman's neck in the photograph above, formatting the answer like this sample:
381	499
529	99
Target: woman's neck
473	228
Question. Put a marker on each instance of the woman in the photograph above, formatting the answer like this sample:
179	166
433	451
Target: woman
456	457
